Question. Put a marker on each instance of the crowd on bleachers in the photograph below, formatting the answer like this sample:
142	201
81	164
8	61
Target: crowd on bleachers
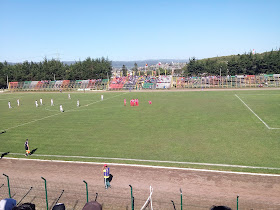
139	82
129	82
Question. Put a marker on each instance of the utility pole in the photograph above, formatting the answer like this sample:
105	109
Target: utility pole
57	56
220	76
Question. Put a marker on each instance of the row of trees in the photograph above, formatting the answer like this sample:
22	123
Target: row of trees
246	64
99	68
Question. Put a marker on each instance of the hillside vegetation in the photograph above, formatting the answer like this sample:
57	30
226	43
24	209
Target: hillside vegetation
101	68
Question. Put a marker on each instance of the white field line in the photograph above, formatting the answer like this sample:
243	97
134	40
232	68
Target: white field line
32	121
147	166
255	114
152	161
10	99
250	94
51	110
95	102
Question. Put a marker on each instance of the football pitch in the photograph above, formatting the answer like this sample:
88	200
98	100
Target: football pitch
222	130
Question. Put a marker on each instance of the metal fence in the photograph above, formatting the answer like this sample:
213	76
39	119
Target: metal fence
45	194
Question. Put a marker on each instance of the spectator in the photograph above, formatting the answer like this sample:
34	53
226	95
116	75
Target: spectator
7	204
220	208
25	206
59	206
93	205
106	172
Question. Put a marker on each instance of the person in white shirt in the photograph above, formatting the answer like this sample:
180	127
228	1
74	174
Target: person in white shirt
41	101
61	108
52	102
18	102
101	97
69	97
78	103
9	104
36	103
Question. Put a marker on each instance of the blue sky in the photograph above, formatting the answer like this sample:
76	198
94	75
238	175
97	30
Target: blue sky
136	29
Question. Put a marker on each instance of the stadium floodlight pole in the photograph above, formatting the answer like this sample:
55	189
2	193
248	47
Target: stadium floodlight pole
86	189
107	86
46	192
237	202
8	180
132	198
220	80
181	199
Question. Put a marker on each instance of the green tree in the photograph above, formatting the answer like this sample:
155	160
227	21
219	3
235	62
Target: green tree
135	69
3	83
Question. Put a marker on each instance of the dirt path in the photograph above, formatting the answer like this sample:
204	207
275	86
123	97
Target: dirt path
201	190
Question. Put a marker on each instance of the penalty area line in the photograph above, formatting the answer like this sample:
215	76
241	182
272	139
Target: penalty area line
31	121
255	114
103	99
147	166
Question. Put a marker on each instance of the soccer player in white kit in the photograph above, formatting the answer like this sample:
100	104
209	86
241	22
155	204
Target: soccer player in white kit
18	102
41	101
60	108
78	103
36	103
69	97
9	104
101	97
52	102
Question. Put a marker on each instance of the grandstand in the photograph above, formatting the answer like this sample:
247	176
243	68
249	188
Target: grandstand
150	82
130	83
117	83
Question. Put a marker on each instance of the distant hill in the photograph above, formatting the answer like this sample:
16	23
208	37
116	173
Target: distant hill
140	63
130	64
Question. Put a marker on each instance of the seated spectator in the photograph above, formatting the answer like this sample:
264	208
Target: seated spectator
220	208
25	206
59	206
92	205
7	204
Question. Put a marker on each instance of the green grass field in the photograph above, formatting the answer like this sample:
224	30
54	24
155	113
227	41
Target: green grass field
201	127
